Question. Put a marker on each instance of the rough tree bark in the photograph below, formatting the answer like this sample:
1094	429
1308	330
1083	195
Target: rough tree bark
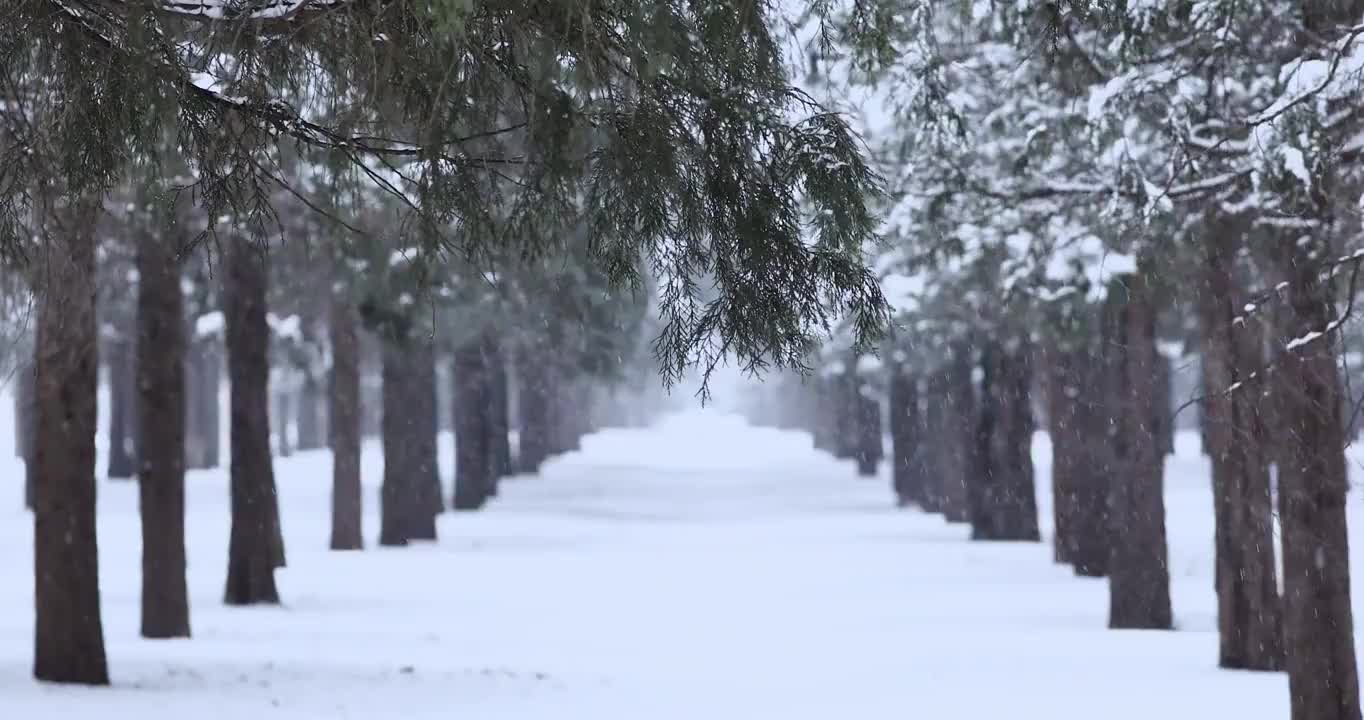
1138	571
473	454
344	426
907	473
1002	497
122	371
256	547
1249	611
160	363
68	632
1318	619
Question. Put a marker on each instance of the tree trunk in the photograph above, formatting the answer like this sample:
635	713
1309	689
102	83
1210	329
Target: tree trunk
430	502
938	454
122	387
473	456
949	459
1318	620
1067	441
1248	608
1093	464
500	422
905	438
344	426
160	363
1002	496
1138	572
256	546
69	635
867	441
400	500
533	399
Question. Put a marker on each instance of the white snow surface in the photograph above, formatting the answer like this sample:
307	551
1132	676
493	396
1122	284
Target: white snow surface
702	568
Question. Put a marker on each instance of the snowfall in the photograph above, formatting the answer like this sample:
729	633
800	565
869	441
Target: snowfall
699	568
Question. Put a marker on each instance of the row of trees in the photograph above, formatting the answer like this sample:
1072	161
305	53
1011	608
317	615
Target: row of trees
1075	191
508	189
555	371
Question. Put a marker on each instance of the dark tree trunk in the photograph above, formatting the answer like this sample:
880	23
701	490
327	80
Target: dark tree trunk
867	436
25	425
1318	619
1067	444
430	502
473	455
938	454
906	435
870	447
962	415
1003	502
501	424
1138	571
69	635
1248	608
160	362
344	426
122	387
499	445
256	546
533	399
949	458
400	496
1093	465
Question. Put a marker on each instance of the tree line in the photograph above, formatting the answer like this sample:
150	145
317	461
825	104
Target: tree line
1078	195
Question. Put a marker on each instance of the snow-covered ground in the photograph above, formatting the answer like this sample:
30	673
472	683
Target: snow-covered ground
699	569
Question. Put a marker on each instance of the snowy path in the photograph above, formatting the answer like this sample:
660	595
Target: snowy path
699	569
